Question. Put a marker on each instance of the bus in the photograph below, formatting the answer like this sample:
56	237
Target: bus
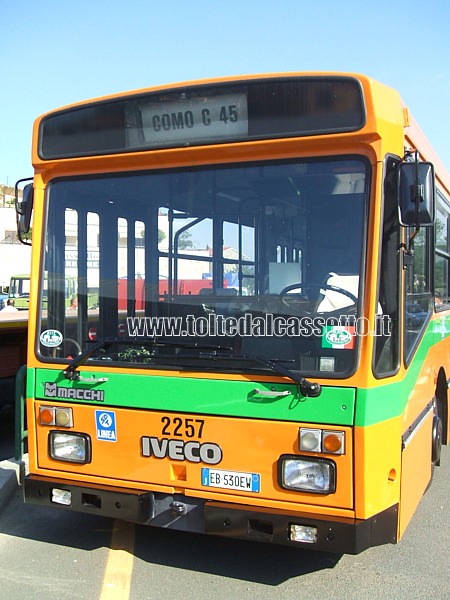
306	403
19	291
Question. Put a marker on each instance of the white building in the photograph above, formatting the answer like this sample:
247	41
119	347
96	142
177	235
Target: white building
15	258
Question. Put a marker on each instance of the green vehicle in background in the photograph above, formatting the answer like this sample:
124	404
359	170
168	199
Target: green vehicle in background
19	290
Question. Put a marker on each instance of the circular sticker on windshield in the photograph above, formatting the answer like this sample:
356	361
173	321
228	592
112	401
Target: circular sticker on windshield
339	337
50	338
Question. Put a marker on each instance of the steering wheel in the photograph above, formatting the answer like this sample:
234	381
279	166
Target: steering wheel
67	342
284	294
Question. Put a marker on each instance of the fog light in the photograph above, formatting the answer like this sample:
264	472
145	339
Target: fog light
303	533
61	497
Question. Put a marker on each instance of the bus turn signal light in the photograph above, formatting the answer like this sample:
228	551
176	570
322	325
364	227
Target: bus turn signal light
321	440
333	442
56	416
46	415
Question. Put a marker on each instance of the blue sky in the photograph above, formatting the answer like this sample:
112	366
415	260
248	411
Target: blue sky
55	52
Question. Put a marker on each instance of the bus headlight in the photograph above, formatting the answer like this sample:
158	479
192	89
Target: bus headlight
69	447
316	475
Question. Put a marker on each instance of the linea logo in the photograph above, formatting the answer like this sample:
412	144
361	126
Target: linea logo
105	424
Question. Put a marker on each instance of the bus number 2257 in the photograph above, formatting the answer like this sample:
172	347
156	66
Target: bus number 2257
178	427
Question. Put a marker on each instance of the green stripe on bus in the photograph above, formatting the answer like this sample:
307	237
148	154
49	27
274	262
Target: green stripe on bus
335	405
388	401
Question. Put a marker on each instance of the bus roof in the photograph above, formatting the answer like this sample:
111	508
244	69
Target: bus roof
381	103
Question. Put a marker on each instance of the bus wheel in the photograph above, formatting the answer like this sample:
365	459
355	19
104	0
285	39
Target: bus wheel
436	441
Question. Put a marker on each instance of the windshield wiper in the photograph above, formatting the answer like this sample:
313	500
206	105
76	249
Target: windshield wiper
307	388
72	374
208	352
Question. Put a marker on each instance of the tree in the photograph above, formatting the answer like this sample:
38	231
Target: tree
28	235
161	235
184	241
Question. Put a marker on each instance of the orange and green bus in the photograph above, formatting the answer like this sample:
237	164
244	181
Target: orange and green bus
300	396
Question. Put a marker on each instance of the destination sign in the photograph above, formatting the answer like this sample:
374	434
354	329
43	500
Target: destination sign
194	119
210	113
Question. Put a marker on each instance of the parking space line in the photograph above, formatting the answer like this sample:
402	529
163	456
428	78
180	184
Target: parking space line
119	566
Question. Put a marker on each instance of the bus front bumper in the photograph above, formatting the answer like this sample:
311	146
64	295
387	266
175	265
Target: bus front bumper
336	534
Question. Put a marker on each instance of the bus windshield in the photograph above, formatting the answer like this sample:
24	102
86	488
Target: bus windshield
259	259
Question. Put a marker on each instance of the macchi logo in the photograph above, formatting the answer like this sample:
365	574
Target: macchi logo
196	452
51	390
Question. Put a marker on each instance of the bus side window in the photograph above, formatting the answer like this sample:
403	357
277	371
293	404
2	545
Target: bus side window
418	301
387	341
442	254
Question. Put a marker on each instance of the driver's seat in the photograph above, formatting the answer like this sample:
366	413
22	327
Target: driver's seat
333	300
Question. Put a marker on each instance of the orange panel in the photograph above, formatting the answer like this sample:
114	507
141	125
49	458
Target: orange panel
174	443
377	467
416	471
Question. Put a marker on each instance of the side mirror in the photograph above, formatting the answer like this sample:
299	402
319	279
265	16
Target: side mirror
24	209
416	194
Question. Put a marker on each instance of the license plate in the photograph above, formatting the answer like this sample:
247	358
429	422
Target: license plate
231	480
